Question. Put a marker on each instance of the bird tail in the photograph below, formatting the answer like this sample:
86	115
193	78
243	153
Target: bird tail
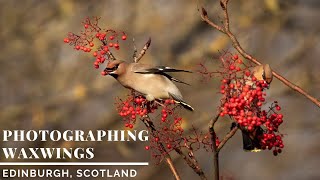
181	102
185	105
251	141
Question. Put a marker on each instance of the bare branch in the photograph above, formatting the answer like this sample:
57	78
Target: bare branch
134	50
143	51
110	56
206	19
214	146
226	138
193	164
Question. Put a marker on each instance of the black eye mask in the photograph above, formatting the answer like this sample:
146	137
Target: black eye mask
111	69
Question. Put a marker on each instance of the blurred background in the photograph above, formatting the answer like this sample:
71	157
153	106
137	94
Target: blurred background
45	84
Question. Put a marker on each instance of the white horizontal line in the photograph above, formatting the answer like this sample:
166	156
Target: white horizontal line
74	163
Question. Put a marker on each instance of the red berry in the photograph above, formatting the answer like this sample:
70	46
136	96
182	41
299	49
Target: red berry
111	37
105	48
103	73
95	54
224	81
130	126
124	37
77	47
280	116
91	44
247	73
232	67
86	26
275	152
278	108
110	44
169	146
235	57
66	40
147	148
116	45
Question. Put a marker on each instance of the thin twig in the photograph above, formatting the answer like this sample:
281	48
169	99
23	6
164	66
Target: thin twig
134	50
235	43
226	138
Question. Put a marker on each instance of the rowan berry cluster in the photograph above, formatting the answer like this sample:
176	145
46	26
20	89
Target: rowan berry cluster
132	108
103	40
168	134
243	98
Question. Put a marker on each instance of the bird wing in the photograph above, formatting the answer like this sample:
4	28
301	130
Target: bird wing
174	79
161	70
146	69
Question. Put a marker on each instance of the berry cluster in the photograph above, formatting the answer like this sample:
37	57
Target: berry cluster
164	116
106	40
132	107
243	97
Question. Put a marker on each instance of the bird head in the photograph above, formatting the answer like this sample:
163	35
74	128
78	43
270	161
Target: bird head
267	73
115	68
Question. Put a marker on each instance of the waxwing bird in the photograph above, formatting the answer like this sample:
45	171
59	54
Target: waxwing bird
152	82
261	72
251	141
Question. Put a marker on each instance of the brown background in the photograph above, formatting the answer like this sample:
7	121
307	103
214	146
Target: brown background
44	84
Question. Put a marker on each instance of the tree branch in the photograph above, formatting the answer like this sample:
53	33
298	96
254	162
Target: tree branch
193	164
214	146
235	43
226	138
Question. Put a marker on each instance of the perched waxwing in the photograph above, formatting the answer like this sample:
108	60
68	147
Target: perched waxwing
262	72
153	82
